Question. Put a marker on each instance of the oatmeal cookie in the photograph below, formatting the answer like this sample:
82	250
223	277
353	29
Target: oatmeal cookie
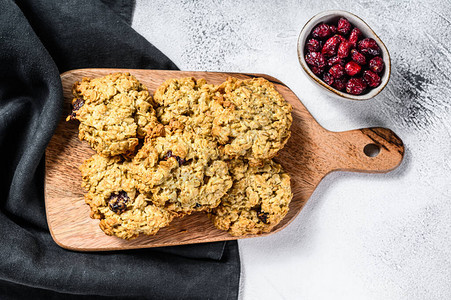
257	201
114	112
188	101
181	171
251	119
113	199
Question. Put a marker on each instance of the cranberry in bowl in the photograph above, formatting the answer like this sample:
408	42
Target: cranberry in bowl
343	55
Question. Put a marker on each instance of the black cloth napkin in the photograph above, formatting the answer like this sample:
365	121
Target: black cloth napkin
39	40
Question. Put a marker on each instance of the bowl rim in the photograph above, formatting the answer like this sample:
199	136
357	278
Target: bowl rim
300	49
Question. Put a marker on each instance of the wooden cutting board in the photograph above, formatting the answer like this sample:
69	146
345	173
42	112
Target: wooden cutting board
311	153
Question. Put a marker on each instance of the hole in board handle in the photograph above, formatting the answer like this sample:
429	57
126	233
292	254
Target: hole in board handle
372	150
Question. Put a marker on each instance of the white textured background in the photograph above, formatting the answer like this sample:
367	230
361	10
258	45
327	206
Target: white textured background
361	236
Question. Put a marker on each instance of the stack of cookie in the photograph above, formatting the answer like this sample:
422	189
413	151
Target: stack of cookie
192	147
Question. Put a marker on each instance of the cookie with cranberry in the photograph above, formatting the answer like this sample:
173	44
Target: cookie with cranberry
186	100
258	200
114	112
114	199
251	119
181	171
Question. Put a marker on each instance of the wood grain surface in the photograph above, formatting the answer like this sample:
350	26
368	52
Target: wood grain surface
311	153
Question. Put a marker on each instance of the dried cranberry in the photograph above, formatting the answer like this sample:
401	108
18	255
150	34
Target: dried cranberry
371	78
118	202
335	60
263	216
317	70
376	64
321	31
352	68
180	160
343	49
313	45
369	46
331	46
167	155
315	59
340	83
358	57
76	104
343	26
337	71
328	78
342	38
355	86
354	36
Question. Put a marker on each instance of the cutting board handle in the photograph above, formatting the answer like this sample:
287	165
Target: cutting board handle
372	150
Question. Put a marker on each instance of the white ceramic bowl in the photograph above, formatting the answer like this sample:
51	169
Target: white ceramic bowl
332	16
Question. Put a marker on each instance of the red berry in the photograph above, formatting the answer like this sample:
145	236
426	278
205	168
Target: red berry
376	64
118	202
315	59
321	31
352	68
355	86
317	70
340	83
369	46
358	57
337	71
354	36
343	49
328	78
371	78
335	60
331	46
313	45
343	26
